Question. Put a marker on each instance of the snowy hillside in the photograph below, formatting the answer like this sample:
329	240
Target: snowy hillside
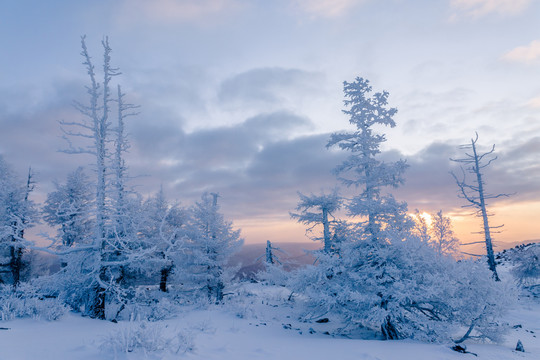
239	331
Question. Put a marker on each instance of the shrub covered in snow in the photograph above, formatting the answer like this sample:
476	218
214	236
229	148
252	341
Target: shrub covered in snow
527	265
25	301
146	337
405	289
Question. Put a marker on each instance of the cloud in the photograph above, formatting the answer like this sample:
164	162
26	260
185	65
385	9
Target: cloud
327	8
175	11
430	187
479	8
529	54
518	167
267	86
428	184
209	159
534	102
257	176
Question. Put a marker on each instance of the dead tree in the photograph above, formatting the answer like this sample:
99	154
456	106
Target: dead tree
474	191
325	205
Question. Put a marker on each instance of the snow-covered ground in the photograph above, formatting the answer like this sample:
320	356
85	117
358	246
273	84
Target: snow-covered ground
255	330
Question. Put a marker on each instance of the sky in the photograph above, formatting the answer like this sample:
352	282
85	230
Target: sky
240	96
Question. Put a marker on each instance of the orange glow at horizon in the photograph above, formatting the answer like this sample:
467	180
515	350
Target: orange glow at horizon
520	222
520	225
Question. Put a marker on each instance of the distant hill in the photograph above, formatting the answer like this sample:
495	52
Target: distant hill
508	255
480	247
250	258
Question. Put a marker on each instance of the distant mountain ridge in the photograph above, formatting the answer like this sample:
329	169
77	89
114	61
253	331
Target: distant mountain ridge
251	257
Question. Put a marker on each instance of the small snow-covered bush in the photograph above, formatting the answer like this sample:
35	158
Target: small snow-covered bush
152	310
151	305
273	275
26	302
527	266
146	337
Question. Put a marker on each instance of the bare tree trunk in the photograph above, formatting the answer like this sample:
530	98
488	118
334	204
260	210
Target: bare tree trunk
326	231
165	272
476	195
487	233
16	264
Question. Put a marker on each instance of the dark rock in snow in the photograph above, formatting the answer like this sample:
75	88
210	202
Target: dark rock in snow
322	321
519	346
462	349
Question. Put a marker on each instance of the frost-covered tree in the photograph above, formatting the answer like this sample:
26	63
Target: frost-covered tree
363	169
384	216
121	202
211	243
165	231
17	214
326	206
109	250
69	208
443	239
474	191
437	233
95	128
527	265
405	289
270	257
388	275
273	272
421	226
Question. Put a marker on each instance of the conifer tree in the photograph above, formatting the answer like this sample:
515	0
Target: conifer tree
211	243
17	214
363	169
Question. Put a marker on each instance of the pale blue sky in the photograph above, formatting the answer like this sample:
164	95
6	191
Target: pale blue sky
238	96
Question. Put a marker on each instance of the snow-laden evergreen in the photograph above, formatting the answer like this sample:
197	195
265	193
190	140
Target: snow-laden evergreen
165	230
363	169
68	207
211	242
17	214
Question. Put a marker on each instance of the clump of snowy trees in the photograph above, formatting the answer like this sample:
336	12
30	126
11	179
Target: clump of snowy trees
110	241
384	269
17	214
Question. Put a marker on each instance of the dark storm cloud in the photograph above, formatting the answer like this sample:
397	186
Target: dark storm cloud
428	183
517	170
242	160
219	146
268	182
